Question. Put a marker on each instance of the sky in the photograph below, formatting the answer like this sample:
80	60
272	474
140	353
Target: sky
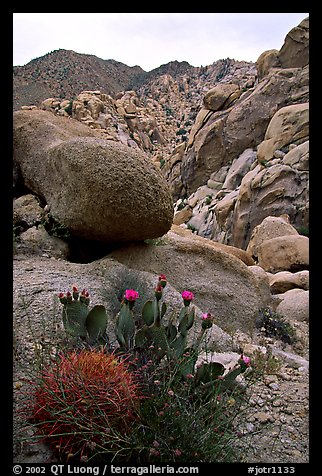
152	39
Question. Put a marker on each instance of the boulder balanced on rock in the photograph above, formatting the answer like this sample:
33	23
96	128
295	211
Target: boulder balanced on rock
98	189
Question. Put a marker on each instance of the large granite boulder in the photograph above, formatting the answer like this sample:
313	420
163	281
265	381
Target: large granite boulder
293	54
289	124
222	283
284	253
271	227
98	189
295	50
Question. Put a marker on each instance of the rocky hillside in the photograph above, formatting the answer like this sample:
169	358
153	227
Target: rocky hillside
153	111
64	74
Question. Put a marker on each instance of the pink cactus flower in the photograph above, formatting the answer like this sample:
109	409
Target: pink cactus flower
206	315
187	295
207	320
131	295
246	360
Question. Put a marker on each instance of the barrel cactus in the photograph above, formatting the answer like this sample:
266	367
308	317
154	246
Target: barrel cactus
86	400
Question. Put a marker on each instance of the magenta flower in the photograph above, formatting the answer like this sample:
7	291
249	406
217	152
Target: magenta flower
154	452
206	315
84	297
75	292
207	320
131	295
244	362
187	297
62	298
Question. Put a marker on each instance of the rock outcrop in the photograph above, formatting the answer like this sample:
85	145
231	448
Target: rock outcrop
221	281
249	160
98	189
293	54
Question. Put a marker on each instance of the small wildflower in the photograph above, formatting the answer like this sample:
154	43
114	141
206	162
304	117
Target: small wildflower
177	452
170	393
156	382
189	376
161	413
91	444
231	401
156	444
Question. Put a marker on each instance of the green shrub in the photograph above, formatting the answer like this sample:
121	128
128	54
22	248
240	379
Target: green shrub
273	325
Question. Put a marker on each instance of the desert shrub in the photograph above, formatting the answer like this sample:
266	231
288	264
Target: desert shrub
273	325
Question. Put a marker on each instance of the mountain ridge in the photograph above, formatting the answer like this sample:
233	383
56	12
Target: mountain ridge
64	73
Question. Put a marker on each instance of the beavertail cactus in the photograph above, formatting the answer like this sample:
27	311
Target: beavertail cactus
125	327
79	321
